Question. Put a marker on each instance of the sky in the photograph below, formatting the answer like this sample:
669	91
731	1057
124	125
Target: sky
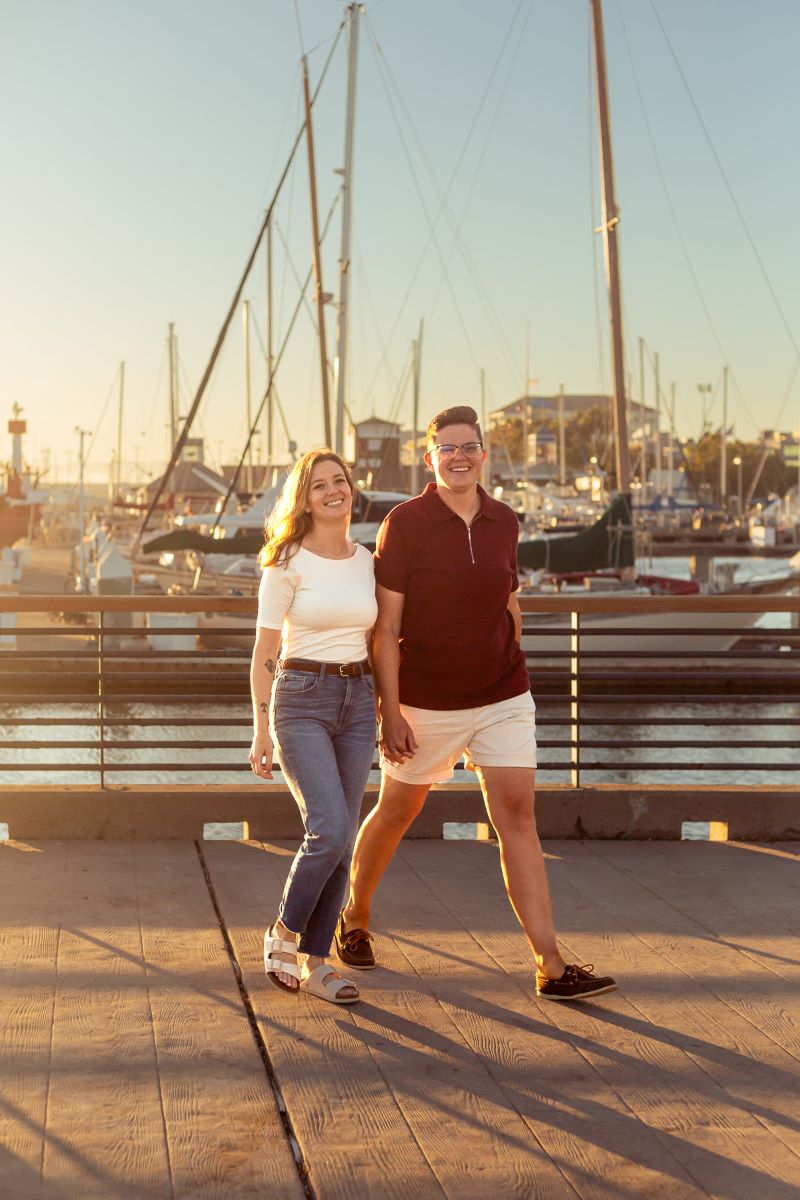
143	142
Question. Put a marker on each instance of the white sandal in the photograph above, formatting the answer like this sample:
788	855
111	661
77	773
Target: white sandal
324	982
272	965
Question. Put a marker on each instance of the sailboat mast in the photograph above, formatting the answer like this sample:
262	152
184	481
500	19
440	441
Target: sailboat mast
173	416
247	394
118	480
347	199
562	438
319	296
487	437
723	448
416	376
657	433
270	354
611	247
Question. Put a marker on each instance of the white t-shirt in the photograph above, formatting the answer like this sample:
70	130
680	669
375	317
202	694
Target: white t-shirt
325	607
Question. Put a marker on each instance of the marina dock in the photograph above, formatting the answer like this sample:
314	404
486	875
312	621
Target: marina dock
146	1057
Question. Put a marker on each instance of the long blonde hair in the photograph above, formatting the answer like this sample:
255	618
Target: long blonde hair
290	522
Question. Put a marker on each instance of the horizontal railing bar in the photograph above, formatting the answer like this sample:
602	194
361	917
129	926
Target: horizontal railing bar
613	766
155	744
153	656
660	744
543	744
681	766
143	698
113	722
682	698
173	768
646	722
590	630
683	655
248	605
789	682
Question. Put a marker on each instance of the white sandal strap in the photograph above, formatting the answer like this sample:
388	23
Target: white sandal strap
287	968
315	981
273	945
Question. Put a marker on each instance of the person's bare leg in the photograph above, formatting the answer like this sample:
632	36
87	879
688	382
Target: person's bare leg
279	930
378	838
508	795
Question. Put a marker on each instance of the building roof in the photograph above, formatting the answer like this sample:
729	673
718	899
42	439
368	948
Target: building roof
548	405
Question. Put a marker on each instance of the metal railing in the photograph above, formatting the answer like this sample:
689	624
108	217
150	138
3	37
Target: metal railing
626	713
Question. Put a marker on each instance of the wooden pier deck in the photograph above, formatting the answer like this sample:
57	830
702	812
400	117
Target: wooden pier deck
143	1055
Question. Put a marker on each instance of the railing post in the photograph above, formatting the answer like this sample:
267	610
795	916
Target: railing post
574	694
101	698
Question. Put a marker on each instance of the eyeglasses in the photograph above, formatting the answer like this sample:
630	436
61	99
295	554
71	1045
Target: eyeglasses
469	450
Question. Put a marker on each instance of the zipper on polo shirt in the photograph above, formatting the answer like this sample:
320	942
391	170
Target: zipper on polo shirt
469	537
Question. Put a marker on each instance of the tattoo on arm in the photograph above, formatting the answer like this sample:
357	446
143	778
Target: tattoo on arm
270	665
264	706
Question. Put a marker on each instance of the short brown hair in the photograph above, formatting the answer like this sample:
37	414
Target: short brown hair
461	414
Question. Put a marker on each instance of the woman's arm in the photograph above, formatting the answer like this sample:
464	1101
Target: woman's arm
262	677
514	609
396	739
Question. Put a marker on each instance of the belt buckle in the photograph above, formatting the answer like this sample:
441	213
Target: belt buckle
344	673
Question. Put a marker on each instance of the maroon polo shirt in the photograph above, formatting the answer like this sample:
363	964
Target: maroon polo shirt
457	644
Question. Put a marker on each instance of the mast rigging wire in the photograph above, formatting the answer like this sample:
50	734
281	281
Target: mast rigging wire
106	402
676	223
431	225
735	204
458	240
271	380
383	66
275	395
184	433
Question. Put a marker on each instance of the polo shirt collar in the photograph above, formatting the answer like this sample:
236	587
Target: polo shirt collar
437	510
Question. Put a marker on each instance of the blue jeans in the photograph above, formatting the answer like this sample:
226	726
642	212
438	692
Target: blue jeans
324	733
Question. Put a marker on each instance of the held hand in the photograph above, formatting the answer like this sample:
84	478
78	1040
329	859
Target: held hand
397	741
261	755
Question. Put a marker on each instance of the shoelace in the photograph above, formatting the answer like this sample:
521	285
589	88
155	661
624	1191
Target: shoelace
576	972
351	940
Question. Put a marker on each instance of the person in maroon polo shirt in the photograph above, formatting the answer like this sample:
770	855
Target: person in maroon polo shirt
452	681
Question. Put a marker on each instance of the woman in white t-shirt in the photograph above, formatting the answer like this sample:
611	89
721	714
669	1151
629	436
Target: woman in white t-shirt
314	706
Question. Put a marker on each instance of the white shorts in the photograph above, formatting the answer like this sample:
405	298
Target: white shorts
497	735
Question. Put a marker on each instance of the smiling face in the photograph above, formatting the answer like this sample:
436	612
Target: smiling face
458	472
329	496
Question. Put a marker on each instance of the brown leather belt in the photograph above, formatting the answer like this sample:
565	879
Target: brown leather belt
345	670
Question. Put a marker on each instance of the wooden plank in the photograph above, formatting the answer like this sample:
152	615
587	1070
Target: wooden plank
701	906
760	915
718	1142
155	1085
354	1138
676	999
585	1125
103	1126
31	886
223	1129
758	1075
452	1095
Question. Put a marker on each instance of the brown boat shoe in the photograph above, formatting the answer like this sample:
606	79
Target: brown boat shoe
353	946
577	983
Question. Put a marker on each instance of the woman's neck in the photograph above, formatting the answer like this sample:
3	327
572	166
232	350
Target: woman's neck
332	542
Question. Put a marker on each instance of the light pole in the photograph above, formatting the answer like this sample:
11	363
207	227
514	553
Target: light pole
737	462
